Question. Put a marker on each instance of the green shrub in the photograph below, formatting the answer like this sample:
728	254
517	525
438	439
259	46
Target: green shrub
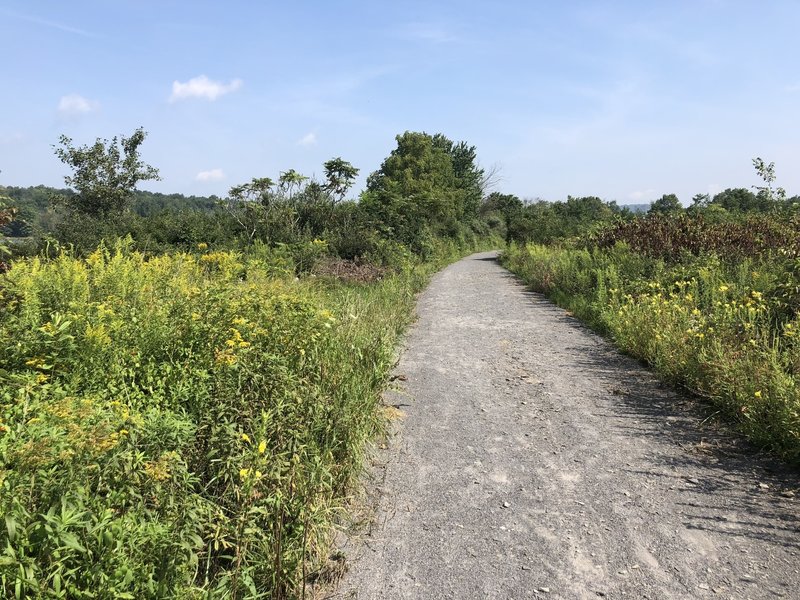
180	424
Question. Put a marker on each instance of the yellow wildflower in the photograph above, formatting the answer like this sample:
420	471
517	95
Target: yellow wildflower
245	438
262	447
243	473
758	394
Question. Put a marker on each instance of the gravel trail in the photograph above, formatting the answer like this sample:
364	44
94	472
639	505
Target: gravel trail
534	461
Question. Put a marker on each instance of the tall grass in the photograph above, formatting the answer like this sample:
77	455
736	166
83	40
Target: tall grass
184	426
725	329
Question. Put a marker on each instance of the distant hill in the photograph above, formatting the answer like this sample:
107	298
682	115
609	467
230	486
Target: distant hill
637	208
33	202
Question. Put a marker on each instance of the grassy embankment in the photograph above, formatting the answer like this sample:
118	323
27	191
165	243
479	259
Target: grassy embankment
712	307
184	426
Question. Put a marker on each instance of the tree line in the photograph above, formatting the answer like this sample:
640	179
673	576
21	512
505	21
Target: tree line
428	187
544	222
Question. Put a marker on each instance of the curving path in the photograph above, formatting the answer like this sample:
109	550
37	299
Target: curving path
535	461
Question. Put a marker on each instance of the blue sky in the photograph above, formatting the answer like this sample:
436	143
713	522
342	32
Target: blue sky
624	100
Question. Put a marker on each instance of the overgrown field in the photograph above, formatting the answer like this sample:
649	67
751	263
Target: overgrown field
712	307
183	426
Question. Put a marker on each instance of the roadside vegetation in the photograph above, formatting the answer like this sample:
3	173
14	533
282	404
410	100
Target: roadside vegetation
188	386
707	295
186	396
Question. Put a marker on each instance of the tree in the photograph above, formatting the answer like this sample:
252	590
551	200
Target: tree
105	174
427	184
506	204
294	206
667	204
469	177
289	183
340	176
737	200
249	203
7	213
766	193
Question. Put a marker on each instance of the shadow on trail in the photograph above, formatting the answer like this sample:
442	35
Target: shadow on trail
731	490
494	259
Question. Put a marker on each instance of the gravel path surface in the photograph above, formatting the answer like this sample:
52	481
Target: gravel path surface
534	461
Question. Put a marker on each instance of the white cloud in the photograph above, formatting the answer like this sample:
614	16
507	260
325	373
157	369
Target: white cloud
54	24
308	139
211	175
202	87
73	105
640	195
794	87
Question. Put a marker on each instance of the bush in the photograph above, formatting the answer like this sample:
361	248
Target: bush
181	426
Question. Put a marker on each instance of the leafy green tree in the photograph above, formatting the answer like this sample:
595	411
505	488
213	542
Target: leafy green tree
289	183
249	203
427	185
667	204
700	200
291	209
792	203
6	217
340	176
506	204
105	174
739	200
21	225
766	193
544	222
501	212
469	176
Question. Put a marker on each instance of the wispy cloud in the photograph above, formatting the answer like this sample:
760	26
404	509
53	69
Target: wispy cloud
794	87
73	105
604	114
642	195
309	139
210	175
332	98
426	32
202	87
47	23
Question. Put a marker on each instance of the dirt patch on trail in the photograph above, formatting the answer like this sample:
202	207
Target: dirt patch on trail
534	461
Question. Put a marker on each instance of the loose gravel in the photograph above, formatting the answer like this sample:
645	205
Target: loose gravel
532	460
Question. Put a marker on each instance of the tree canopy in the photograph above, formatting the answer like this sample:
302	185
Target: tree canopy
105	174
667	204
427	183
